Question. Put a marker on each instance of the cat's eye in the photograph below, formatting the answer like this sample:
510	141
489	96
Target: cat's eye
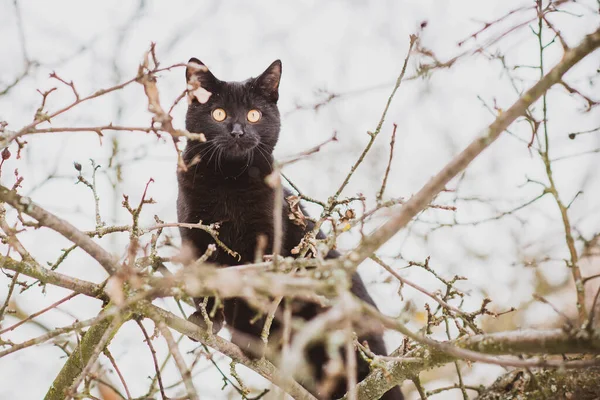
253	115
219	114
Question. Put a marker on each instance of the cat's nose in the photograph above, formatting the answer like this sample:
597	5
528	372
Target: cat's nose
237	131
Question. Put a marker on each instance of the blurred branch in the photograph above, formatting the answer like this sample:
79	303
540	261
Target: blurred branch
179	361
164	119
262	366
29	64
16	81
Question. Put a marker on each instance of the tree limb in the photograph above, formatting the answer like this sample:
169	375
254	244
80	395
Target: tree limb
45	218
422	198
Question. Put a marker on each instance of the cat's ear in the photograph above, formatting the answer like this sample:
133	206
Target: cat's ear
268	82
201	82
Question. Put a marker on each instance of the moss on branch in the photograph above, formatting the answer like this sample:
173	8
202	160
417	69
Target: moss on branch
545	384
80	357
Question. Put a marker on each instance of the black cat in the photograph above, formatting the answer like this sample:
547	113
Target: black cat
226	184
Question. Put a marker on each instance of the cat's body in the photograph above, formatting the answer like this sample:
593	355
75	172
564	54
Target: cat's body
227	186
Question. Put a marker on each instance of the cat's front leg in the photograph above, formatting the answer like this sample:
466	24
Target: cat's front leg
246	328
206	314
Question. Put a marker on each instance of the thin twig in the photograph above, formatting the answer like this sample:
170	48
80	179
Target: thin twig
373	135
153	353
121	378
350	362
435	185
179	361
389	166
37	314
417	381
573	263
45	218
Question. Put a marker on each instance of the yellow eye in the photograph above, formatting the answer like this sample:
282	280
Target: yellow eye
219	114
253	115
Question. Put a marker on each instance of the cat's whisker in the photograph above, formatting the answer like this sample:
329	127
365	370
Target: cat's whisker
215	149
204	148
249	157
264	154
219	159
202	153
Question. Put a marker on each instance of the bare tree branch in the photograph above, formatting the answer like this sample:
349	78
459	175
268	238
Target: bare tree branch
422	198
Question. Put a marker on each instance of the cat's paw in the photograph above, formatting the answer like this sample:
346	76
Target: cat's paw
198	319
251	346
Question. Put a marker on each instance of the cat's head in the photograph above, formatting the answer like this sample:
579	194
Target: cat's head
237	118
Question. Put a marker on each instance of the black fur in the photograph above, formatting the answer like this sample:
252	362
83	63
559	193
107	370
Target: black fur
227	185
